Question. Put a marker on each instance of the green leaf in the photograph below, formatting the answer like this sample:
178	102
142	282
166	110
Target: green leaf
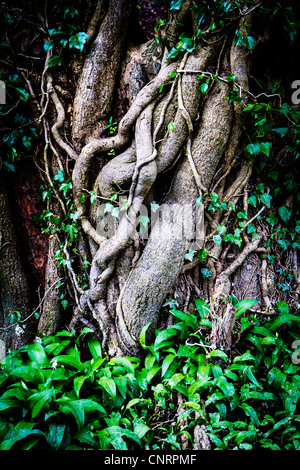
250	42
200	383
55	434
94	347
48	45
124	362
252	200
143	335
285	213
266	198
205	272
282	319
78	40
217	239
189	319
282	307
244	305
55	61
78	382
204	87
217	353
247	356
230	78
22	94
15	435
69	360
202	308
265	147
28	374
226	387
163	336
282	131
253	149
73	407
173	53
37	401
166	363
176	4
37	353
109	386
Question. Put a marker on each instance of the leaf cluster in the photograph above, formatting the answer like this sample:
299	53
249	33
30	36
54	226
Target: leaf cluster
63	393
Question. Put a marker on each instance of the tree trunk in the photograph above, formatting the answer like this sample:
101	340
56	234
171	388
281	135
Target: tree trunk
143	157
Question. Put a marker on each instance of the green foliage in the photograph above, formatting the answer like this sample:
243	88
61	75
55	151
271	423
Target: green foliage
64	36
63	393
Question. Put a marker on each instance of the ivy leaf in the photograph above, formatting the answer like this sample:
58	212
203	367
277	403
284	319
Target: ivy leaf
217	239
280	130
265	148
253	149
250	41
285	213
230	78
55	61
173	53
22	94
48	45
252	200
266	198
78	40
204	88
205	272
176	4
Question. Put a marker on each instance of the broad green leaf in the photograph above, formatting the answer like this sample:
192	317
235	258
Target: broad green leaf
205	272
230	78
125	363
28	374
78	382
226	387
163	336
36	353
173	53
244	305
248	371
117	432
143	335
247	356
189	319
253	149
140	428
282	307
109	386
266	198
16	435
55	60
38	400
89	405
200	383
202	308
69	360
73	407
94	347
166	363
138	401
281	319
217	353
